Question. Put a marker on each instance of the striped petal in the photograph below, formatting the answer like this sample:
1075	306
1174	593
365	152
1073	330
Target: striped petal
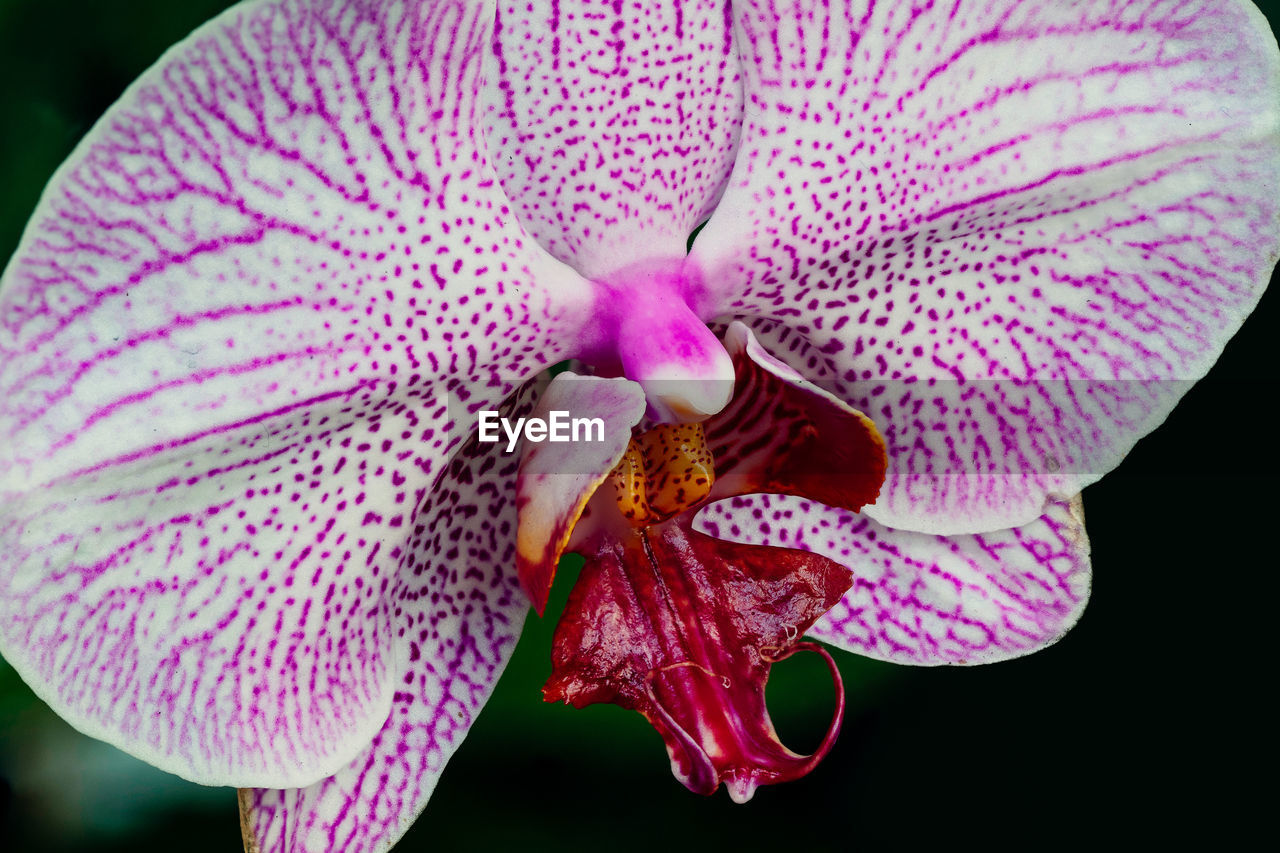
614	125
923	599
456	613
1004	227
246	328
784	435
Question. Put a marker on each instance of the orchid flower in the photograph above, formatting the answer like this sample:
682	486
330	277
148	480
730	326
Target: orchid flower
249	532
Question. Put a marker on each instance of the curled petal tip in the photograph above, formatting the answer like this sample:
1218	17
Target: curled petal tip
741	790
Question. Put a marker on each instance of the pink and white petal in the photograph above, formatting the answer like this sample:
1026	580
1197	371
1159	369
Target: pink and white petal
457	611
1015	474
220	612
557	478
1008	226
923	599
614	125
247	326
294	202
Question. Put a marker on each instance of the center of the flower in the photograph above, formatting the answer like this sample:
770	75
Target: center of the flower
664	471
665	619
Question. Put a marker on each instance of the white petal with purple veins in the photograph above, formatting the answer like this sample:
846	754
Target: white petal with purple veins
237	344
1006	227
613	125
456	613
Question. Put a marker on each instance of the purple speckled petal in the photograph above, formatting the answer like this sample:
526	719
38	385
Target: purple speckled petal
246	328
614	125
923	599
1004	227
457	611
557	478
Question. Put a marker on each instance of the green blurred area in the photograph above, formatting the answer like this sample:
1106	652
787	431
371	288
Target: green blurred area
1147	723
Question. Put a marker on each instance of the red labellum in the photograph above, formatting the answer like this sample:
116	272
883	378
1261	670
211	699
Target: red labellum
684	628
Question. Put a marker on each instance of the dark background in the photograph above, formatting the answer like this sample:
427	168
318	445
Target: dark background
1151	722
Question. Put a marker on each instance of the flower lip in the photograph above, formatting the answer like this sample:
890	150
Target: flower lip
684	629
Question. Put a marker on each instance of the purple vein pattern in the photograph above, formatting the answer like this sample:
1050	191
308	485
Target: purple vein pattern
243	340
1004	227
614	126
457	610
230	339
924	599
